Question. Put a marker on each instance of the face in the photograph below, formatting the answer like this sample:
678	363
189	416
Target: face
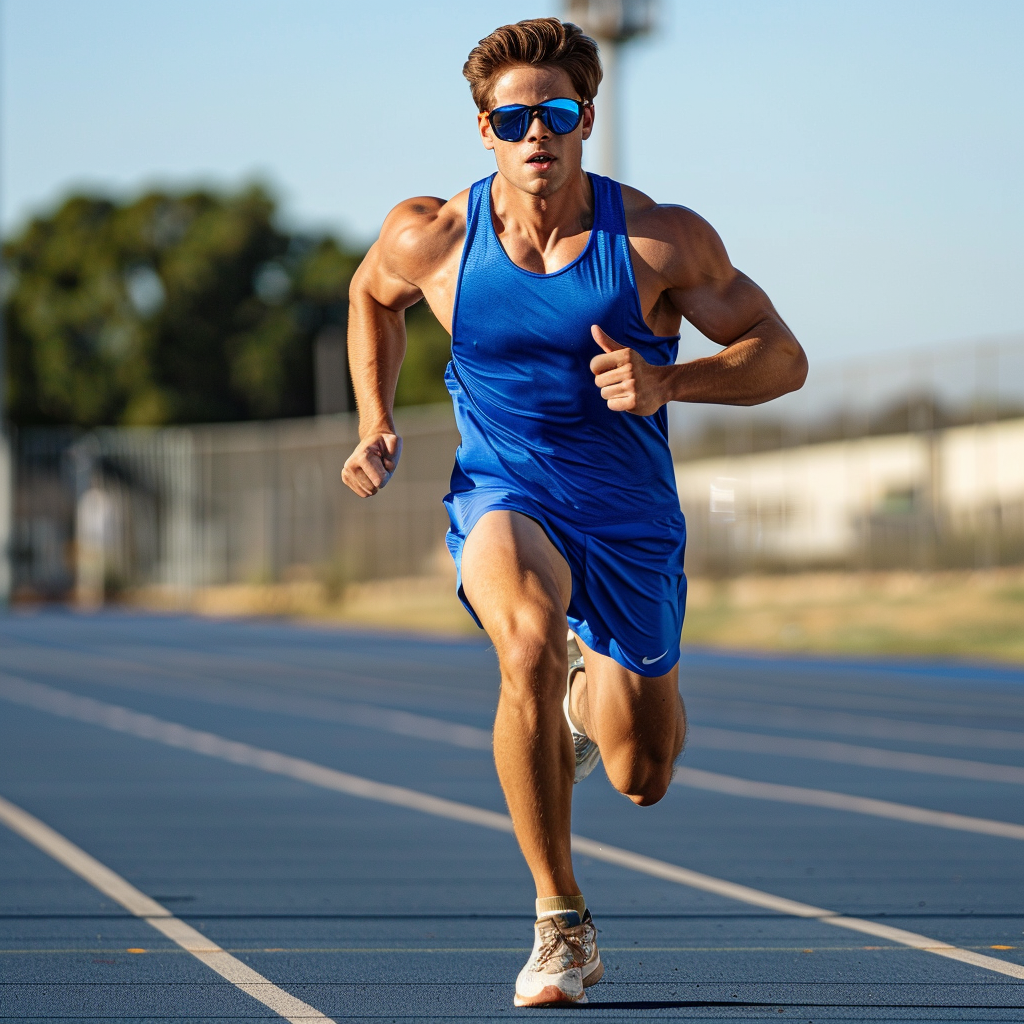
543	161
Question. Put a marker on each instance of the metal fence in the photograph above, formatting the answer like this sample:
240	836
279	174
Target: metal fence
911	462
188	507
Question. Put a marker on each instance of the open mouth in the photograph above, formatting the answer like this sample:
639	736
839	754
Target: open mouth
541	160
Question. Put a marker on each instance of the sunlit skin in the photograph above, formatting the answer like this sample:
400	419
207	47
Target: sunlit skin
513	576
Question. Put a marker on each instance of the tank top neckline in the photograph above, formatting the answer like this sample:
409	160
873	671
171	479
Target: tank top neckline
485	201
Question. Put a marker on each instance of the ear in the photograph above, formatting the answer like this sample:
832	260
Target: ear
588	120
484	127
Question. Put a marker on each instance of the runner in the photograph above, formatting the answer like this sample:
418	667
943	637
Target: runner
563	293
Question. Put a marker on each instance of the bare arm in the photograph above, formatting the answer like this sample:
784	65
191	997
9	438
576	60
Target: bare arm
761	359
376	339
383	287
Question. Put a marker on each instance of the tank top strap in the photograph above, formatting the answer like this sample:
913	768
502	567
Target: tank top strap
610	214
479	198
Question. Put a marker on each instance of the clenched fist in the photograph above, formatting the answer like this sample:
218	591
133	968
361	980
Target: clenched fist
372	464
627	381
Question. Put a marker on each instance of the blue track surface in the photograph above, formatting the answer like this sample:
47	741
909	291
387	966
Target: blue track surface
371	912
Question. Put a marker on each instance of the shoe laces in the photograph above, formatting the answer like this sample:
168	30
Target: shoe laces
560	942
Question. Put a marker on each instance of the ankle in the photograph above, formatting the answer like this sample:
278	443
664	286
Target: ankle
548	906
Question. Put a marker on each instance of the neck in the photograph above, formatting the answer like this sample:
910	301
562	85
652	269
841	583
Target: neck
545	218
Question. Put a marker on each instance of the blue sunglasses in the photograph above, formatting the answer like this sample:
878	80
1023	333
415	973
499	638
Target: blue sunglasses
511	123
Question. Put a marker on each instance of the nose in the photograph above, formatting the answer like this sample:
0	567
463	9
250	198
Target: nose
537	130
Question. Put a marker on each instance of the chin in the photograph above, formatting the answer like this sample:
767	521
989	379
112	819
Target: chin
536	185
540	186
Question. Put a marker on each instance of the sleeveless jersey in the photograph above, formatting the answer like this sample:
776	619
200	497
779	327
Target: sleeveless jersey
533	423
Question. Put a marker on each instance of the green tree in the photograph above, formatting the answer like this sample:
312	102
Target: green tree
181	308
167	309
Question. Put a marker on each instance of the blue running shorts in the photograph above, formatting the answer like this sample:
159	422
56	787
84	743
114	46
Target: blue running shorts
628	586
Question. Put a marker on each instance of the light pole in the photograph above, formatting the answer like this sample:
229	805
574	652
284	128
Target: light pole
611	23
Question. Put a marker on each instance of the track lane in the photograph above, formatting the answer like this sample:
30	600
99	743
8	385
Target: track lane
173	734
226	833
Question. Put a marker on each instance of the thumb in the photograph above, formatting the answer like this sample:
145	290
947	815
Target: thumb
390	450
608	343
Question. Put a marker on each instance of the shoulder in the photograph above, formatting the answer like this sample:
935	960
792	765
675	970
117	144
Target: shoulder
664	222
421	233
674	240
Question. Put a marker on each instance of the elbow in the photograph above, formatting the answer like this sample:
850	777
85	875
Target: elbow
788	373
792	367
797	369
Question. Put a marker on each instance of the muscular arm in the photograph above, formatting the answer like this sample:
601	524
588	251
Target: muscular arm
388	281
761	359
376	339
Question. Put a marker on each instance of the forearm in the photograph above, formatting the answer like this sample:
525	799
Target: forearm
763	364
376	348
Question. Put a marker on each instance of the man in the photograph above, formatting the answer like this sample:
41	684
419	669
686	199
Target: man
563	293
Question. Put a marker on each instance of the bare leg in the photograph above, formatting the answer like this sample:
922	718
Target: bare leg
638	722
520	587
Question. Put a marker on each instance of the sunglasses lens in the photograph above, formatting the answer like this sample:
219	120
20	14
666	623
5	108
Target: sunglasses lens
561	116
510	123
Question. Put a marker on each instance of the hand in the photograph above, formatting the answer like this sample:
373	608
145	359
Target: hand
627	381
372	464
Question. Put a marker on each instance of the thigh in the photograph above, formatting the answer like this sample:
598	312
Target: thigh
511	570
632	715
630	601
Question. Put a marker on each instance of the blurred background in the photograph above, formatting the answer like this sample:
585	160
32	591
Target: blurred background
187	188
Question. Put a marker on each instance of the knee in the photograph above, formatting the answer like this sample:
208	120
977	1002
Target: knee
644	778
532	653
650	787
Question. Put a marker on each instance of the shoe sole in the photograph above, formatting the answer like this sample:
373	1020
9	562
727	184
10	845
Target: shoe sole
552	995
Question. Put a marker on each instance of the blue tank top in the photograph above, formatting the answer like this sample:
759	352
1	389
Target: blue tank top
532	421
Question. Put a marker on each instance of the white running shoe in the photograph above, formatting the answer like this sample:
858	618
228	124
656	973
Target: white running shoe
564	961
587	754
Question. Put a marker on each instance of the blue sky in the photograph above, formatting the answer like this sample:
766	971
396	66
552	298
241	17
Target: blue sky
862	161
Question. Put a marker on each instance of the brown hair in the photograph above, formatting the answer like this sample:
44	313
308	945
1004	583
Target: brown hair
539	42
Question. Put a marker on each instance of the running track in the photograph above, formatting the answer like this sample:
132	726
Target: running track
316	816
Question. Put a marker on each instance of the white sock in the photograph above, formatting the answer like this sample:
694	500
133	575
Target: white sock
548	906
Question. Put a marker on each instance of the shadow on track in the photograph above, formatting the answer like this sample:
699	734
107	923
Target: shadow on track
679	1004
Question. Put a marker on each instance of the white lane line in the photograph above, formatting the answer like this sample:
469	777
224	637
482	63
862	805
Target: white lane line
85	709
41	696
696	778
849	753
402	723
120	719
111	884
868	726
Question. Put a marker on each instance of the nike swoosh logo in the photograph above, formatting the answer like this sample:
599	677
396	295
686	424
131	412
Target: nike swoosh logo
651	661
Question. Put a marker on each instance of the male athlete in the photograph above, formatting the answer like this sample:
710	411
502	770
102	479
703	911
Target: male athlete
563	293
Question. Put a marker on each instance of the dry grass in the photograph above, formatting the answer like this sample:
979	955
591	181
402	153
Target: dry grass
977	615
422	604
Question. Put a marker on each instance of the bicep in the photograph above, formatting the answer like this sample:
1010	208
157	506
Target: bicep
705	288
723	308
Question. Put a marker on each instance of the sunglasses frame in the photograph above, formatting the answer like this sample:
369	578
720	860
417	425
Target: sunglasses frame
540	110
